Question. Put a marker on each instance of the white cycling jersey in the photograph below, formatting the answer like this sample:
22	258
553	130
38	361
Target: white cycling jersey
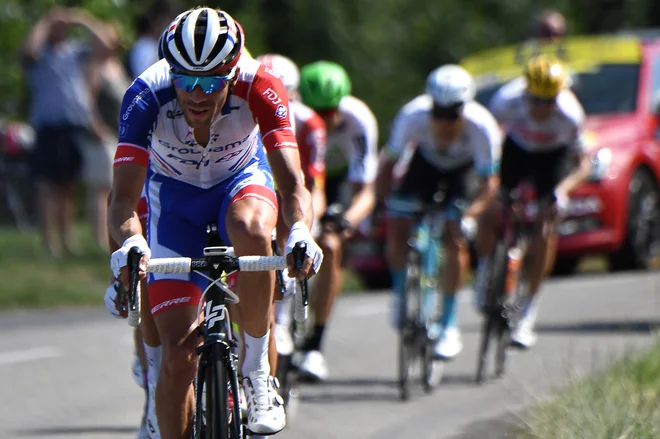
564	128
480	141
353	145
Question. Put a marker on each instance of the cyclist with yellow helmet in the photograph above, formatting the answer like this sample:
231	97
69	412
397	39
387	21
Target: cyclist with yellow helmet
544	122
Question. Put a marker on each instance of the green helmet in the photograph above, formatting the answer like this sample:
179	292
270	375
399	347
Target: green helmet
323	84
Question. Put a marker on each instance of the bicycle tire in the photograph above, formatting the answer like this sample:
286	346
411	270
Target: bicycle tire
409	306
503	342
482	359
199	416
494	306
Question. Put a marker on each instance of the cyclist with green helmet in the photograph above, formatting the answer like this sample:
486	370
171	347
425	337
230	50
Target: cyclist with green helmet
351	165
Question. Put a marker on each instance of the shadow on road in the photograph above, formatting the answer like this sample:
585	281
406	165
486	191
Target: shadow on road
350	390
82	431
641	326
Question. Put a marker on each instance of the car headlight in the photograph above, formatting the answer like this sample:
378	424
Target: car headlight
601	161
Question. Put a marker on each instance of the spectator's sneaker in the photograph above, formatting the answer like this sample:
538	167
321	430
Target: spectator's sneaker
264	406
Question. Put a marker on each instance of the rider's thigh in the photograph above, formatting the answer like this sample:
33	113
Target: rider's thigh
177	330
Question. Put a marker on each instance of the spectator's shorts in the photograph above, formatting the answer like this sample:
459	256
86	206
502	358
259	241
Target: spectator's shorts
57	157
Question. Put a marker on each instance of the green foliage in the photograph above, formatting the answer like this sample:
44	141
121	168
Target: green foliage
387	46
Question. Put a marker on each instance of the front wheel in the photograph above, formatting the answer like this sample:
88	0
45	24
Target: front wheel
409	309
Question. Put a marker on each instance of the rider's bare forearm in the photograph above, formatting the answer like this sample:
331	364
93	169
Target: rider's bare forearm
575	178
362	203
487	192
123	221
296	199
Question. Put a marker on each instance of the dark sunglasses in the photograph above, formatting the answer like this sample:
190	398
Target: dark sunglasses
208	84
327	114
450	113
541	101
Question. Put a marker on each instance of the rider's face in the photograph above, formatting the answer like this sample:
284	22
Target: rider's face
331	118
199	108
447	123
541	109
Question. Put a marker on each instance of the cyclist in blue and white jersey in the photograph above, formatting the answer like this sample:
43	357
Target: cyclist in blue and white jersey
189	125
443	136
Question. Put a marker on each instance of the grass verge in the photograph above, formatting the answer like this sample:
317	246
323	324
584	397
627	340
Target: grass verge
622	402
30	279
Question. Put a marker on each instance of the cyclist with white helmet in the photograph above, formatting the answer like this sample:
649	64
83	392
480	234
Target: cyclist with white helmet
189	126
311	135
351	163
544	123
442	137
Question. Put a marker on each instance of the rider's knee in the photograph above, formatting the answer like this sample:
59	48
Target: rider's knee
252	232
331	245
453	240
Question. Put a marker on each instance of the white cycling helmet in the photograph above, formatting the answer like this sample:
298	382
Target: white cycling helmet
450	85
202	40
283	67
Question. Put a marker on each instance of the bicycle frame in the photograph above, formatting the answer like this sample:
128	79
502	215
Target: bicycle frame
218	344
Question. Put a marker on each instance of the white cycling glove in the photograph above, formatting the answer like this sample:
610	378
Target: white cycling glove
110	299
300	232
469	227
119	258
563	201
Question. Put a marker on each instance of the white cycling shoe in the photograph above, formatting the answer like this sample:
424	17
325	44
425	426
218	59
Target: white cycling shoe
264	406
523	334
313	365
449	344
283	339
139	374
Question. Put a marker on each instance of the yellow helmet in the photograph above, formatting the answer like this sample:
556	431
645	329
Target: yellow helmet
546	77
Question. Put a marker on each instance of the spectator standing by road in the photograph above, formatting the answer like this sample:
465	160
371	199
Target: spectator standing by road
108	81
60	112
149	26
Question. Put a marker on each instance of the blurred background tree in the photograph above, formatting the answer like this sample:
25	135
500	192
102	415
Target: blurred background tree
388	46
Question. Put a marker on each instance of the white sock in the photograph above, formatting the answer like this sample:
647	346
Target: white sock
256	354
531	308
283	311
153	355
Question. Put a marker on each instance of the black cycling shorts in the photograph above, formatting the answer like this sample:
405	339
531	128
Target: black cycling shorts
422	180
545	170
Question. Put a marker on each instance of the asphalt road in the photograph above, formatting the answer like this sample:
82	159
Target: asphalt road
67	374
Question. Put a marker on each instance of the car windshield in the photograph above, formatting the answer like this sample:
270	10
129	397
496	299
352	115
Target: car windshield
607	88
